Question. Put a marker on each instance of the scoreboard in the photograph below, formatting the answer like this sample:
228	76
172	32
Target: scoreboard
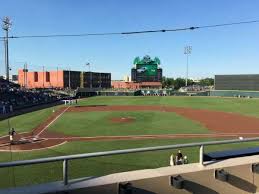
146	70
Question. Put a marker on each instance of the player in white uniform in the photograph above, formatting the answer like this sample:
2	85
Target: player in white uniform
11	135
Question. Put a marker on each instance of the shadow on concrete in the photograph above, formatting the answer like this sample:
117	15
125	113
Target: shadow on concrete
196	188
241	184
129	189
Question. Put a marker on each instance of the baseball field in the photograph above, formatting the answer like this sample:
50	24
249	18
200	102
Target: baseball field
111	123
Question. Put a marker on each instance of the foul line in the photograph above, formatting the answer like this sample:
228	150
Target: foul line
36	149
52	121
145	136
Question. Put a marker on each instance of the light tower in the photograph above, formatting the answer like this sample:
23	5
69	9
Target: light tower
6	26
91	82
187	52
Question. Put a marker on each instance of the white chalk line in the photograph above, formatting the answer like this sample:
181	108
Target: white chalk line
43	129
159	135
37	149
52	121
146	136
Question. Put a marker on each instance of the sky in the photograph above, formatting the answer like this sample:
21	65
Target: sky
223	50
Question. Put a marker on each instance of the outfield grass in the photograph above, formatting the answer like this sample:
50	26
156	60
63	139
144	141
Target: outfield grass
237	105
146	123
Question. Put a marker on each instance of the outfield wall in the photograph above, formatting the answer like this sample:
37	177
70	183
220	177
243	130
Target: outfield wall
235	93
157	92
237	82
119	93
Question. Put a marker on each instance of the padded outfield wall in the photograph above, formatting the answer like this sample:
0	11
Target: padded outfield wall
119	93
246	82
235	93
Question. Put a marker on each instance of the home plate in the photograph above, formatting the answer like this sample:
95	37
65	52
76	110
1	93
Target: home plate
27	140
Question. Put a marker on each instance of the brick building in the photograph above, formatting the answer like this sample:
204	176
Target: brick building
63	79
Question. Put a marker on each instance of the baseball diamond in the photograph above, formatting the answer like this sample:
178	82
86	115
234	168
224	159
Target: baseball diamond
107	123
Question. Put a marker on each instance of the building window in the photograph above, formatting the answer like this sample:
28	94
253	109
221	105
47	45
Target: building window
36	77
47	77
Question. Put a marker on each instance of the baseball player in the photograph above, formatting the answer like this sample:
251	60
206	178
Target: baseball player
11	135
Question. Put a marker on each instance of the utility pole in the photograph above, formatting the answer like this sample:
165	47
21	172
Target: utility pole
91	81
100	80
57	79
43	75
69	84
25	70
6	26
187	52
24	76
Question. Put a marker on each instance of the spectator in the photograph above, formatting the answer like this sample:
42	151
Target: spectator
179	158
185	160
172	160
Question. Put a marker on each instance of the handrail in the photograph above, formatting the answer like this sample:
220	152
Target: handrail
117	152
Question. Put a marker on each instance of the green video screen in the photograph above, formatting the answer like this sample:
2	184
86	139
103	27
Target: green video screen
147	69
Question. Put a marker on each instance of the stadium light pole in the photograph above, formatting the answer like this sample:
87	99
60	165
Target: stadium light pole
6	26
69	79
88	64
57	78
25	71
43	76
187	52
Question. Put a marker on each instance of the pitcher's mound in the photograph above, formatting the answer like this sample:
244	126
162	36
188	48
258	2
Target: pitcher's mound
123	119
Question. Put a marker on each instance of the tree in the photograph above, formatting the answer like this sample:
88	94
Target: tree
167	82
207	82
178	83
175	83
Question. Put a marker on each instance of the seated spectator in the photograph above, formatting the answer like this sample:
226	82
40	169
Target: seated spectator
179	158
185	160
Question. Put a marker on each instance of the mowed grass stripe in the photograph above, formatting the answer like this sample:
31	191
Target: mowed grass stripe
146	123
237	105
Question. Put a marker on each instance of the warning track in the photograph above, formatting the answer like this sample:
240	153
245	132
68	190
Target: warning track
221	125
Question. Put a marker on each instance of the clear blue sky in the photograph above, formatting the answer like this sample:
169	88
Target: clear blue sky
226	50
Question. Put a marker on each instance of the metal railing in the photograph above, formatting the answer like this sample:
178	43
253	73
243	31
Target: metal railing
65	159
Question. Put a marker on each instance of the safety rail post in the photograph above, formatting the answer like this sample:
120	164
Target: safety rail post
201	154
65	171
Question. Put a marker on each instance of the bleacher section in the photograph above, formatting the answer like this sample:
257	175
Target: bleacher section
12	97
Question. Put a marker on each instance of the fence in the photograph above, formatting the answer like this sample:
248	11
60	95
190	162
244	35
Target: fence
234	93
65	159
